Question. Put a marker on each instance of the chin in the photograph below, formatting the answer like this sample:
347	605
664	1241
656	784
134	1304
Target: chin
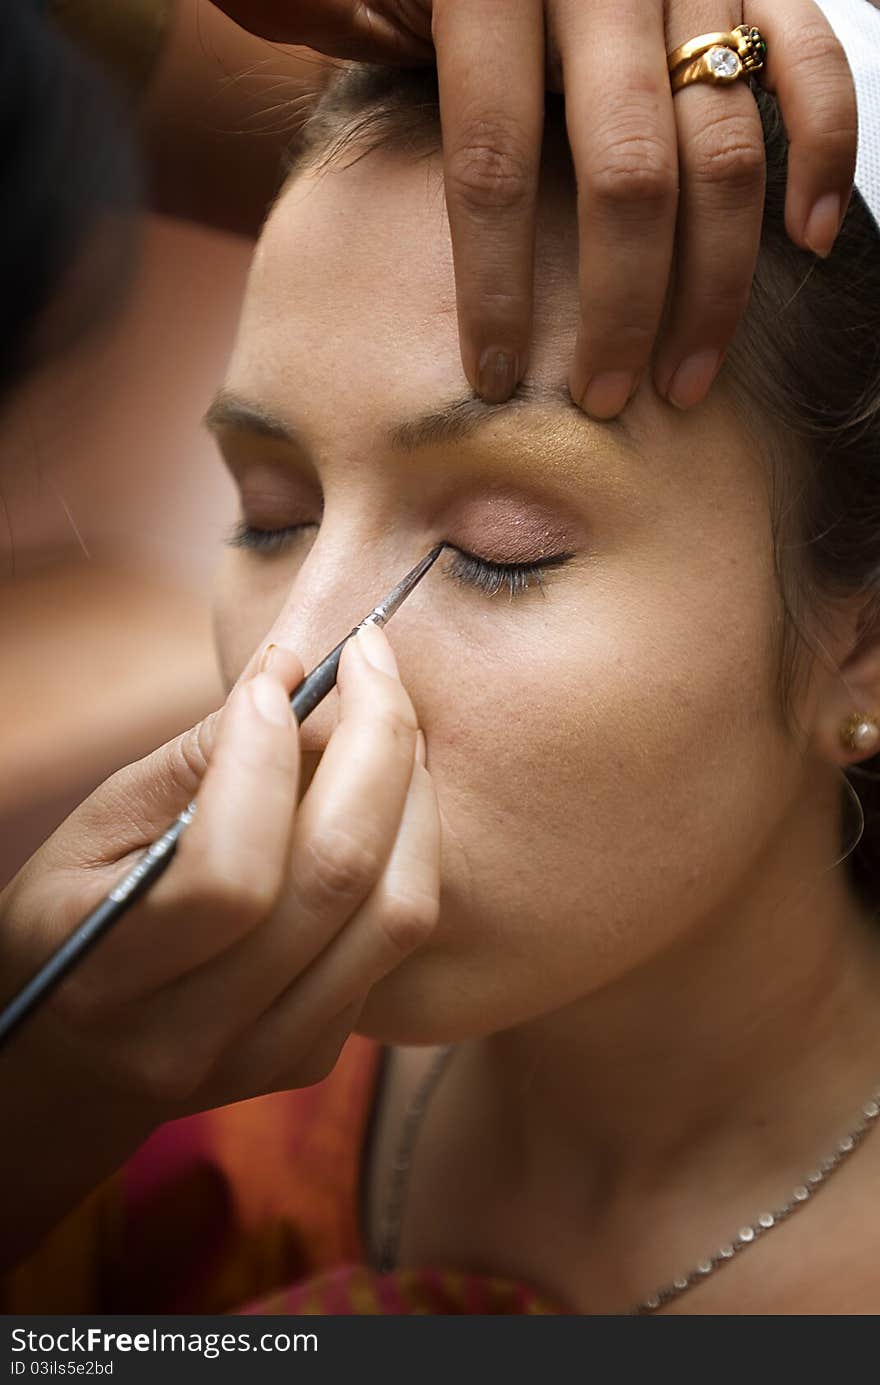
436	998
424	1001
402	1015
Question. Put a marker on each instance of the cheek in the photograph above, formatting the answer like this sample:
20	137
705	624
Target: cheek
584	766
604	784
610	719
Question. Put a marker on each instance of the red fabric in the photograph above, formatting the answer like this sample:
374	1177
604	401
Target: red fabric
230	1204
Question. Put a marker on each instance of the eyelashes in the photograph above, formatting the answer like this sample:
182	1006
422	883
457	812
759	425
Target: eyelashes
267	541
494	578
466	568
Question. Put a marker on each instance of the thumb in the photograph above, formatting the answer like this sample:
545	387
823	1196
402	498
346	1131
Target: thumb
137	803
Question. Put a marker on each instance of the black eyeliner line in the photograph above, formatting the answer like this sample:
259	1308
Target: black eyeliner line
551	560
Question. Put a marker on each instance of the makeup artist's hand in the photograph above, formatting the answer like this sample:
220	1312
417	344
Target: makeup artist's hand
654	172
245	968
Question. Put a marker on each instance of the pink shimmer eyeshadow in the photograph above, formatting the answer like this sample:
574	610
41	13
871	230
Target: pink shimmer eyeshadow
509	529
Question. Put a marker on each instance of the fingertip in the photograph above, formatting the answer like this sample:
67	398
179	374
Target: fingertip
607	394
693	379
366	653
498	373
823	224
283	664
603	395
373	645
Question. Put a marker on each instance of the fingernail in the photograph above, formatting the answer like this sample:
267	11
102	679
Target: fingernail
376	650
267	659
270	700
421	748
823	224
607	393
693	379
497	374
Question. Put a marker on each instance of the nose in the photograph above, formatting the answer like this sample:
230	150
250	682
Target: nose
312	622
335	605
312	646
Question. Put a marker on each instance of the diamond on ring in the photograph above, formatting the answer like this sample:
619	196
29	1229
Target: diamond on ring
724	63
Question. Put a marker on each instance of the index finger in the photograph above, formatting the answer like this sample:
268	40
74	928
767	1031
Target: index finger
231	861
490	68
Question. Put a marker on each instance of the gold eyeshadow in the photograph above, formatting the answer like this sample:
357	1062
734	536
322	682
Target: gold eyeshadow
564	478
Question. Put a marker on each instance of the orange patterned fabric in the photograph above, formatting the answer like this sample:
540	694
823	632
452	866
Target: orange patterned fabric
253	1204
357	1290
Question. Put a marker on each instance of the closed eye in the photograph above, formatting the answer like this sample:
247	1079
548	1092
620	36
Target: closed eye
466	568
266	541
493	578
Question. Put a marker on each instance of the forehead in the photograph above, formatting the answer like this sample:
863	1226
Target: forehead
351	296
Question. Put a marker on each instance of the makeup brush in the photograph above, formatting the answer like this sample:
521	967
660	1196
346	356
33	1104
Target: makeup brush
157	858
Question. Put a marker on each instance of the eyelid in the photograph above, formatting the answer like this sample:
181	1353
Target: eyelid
272	492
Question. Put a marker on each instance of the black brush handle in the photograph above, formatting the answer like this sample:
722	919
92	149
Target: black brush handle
315	687
155	860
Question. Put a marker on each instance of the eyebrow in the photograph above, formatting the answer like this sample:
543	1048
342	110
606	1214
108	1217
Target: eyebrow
450	422
230	410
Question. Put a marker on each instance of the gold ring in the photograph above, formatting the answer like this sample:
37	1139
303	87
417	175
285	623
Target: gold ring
720	58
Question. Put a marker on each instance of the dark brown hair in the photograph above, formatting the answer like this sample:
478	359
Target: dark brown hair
804	370
67	172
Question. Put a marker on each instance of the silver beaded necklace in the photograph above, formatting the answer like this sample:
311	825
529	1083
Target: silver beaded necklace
749	1235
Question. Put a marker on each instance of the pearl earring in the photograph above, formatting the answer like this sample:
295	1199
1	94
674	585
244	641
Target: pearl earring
861	732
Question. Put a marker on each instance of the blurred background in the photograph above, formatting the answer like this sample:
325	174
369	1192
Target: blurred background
113	503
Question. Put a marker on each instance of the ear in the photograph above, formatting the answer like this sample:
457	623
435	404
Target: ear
848	721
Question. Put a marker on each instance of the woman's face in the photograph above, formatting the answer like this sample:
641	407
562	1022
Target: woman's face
605	737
